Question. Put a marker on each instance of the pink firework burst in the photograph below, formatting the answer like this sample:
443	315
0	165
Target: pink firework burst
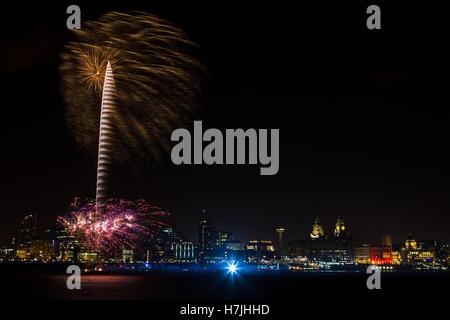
107	227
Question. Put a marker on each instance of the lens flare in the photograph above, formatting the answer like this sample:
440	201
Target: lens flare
232	267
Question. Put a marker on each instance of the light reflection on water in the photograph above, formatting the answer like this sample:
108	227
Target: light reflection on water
100	287
207	286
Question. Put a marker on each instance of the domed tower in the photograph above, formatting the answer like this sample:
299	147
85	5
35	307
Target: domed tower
317	231
339	228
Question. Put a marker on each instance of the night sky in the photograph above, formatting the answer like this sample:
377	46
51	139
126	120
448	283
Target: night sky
363	118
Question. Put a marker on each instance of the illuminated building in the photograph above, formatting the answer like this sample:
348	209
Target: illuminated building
27	231
411	243
396	254
260	249
280	230
296	249
159	247
229	250
414	256
368	254
67	246
205	235
386	240
426	255
427	250
422	251
87	256
9	251
334	247
419	251
127	255
261	245
330	250
212	241
235	245
170	235
363	254
396	257
442	252
339	228
42	250
381	255
23	254
220	238
183	250
317	231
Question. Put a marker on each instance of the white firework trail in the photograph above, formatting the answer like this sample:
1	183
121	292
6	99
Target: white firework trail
106	135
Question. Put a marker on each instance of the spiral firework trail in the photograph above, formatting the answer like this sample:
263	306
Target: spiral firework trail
157	80
104	144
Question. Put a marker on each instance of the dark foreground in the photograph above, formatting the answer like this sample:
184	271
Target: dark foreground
165	294
218	285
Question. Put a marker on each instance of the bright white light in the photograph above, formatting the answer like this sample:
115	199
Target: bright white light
232	267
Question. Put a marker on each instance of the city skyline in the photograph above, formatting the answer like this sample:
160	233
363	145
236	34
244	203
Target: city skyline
291	232
161	246
318	230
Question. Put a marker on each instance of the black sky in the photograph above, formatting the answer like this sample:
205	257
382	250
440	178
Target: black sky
363	118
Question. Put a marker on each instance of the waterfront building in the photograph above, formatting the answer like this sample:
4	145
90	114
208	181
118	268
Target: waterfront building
410	243
386	240
26	233
334	247
127	255
42	250
280	230
235	245
339	228
317	231
183	251
363	253
369	254
396	254
418	251
260	250
220	238
205	235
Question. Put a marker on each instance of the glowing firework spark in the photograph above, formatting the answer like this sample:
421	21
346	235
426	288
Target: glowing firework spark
120	223
93	63
157	78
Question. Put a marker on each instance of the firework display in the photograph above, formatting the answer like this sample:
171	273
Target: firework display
157	78
114	224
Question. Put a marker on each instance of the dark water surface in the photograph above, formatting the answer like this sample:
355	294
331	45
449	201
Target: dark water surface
218	286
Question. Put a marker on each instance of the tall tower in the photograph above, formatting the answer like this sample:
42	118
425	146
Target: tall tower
280	230
340	227
27	231
205	234
317	231
106	135
386	240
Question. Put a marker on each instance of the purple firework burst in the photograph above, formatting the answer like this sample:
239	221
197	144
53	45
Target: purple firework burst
109	226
